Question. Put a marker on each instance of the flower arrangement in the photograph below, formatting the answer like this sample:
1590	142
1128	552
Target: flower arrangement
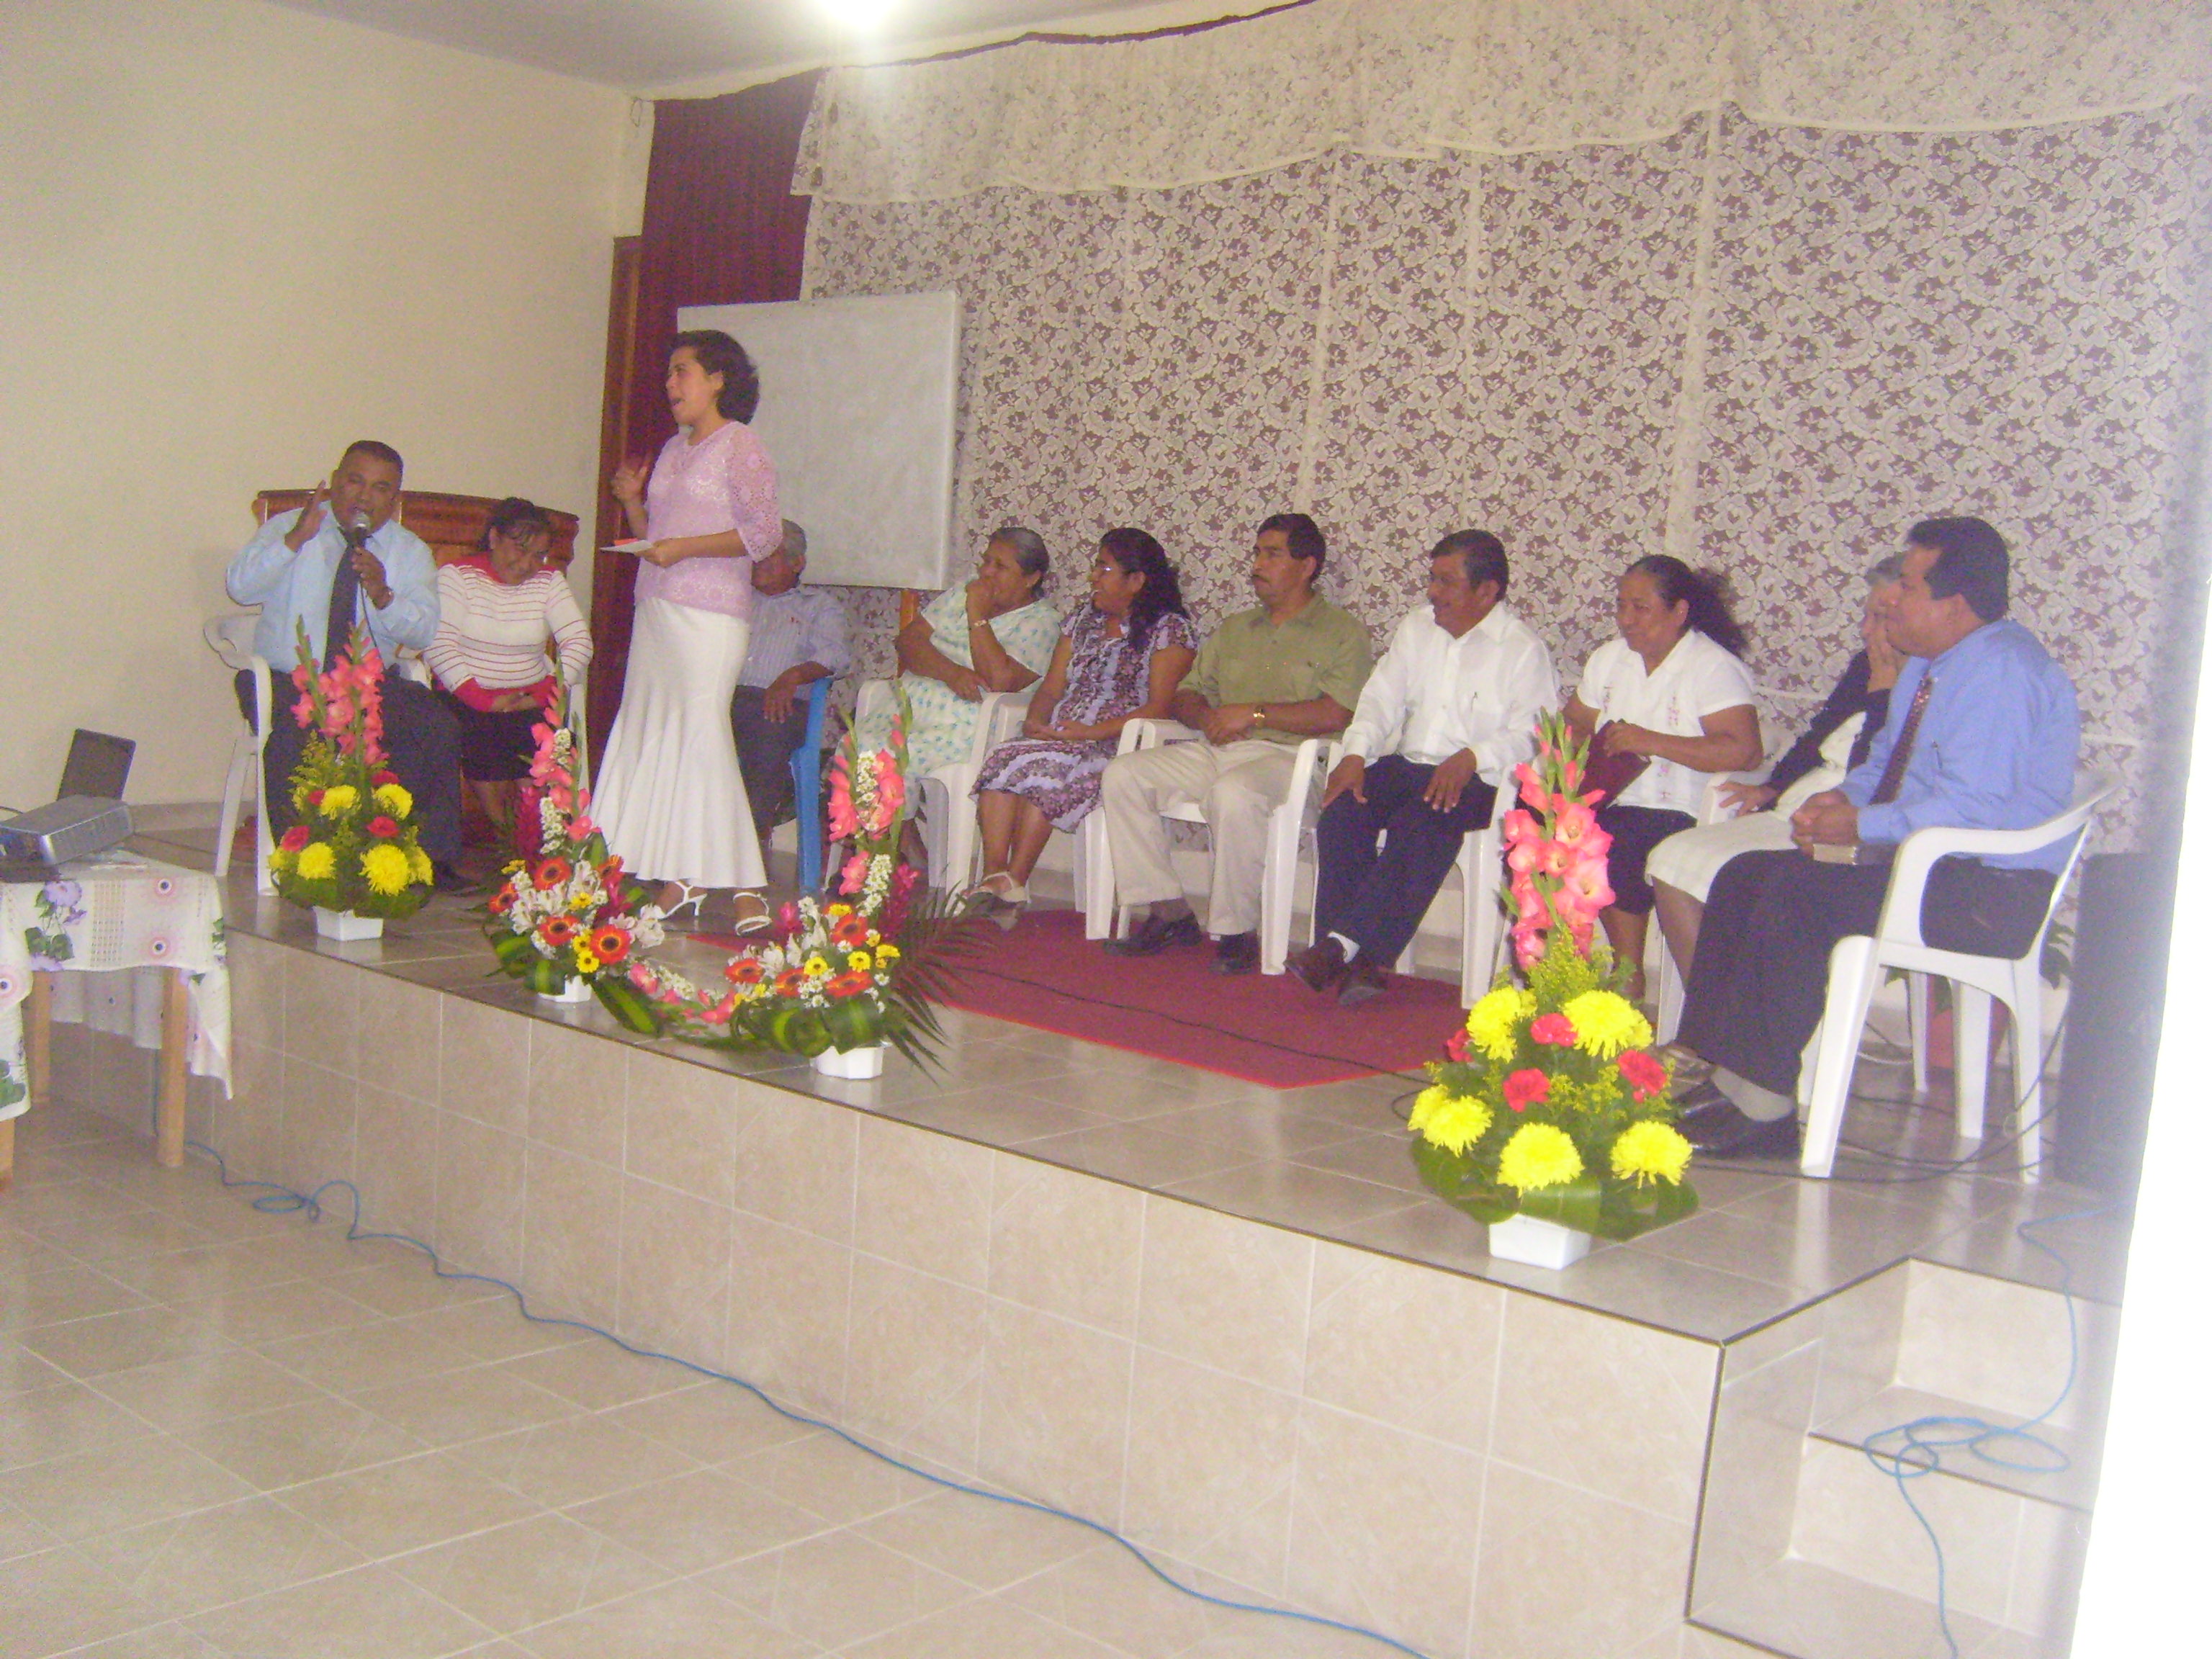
861	968
1549	1102
569	913
355	847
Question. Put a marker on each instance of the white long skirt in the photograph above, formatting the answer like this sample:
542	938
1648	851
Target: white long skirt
1689	861
668	794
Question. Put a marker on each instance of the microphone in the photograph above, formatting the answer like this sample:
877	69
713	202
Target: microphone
356	533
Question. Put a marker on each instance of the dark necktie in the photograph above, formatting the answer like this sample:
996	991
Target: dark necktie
1892	774
345	595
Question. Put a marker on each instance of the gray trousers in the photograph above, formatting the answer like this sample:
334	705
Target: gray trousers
1237	786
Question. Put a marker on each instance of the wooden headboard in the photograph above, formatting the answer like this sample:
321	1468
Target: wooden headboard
453	525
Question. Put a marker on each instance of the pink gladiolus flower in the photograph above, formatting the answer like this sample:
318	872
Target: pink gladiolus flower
1525	857
855	875
1574	824
1555	859
304	710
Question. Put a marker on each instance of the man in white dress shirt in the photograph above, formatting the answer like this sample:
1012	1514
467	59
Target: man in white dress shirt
1446	716
798	638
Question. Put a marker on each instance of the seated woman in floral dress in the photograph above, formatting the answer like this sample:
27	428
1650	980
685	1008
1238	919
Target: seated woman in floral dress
1119	659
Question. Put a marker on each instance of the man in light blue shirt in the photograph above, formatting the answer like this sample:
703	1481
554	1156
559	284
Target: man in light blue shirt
346	552
1983	733
797	638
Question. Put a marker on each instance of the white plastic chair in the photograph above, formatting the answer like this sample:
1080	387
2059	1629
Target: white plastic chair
948	823
1857	964
230	636
1285	827
1481	868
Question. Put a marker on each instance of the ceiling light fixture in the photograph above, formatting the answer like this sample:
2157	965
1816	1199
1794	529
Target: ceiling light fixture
858	16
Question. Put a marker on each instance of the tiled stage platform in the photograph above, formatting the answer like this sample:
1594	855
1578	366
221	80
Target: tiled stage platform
1225	1320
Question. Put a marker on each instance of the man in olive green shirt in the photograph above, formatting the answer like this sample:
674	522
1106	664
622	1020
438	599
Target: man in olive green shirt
1291	668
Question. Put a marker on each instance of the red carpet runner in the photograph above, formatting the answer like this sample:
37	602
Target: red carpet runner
1173	1007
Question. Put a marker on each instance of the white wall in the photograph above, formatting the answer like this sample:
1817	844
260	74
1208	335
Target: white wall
232	238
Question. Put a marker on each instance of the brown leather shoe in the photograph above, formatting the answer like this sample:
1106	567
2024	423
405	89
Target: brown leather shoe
1363	982
1320	964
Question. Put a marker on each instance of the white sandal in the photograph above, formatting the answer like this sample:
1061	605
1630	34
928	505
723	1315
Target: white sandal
751	922
694	900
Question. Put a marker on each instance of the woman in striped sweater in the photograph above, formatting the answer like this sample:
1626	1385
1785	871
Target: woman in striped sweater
496	613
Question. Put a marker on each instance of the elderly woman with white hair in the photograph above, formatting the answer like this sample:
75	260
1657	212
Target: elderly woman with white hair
1682	867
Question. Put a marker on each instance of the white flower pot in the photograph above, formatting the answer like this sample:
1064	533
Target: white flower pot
864	1062
1539	1243
575	990
344	924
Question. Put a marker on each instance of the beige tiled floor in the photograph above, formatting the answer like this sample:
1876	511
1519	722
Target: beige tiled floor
225	1434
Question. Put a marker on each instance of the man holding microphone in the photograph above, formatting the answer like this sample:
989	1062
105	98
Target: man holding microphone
342	561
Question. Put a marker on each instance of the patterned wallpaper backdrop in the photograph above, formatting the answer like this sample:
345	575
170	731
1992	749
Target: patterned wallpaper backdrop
1766	350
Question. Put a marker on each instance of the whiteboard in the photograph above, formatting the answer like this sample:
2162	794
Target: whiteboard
857	410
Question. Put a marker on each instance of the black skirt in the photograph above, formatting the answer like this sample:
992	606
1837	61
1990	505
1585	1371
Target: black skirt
495	748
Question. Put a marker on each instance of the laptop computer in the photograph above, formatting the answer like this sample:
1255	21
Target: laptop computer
98	766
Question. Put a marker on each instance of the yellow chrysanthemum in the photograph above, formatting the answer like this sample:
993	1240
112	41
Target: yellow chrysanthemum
394	799
1539	1155
1651	1151
887	951
418	864
816	967
587	961
1606	1022
1452	1121
857	960
339	797
384	867
1493	1024
317	862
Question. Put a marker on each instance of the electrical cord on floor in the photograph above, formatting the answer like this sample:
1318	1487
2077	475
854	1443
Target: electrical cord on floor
279	1200
1919	1445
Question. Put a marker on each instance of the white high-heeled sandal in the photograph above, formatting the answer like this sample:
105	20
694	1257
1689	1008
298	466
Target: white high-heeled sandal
694	900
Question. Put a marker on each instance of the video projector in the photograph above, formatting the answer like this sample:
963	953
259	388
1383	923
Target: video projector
74	827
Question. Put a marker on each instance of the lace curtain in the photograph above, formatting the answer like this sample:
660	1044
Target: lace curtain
1410	78
1768	349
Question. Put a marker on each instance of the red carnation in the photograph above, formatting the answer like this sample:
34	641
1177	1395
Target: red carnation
1644	1076
382	778
557	931
294	838
1527	1085
382	827
1555	1029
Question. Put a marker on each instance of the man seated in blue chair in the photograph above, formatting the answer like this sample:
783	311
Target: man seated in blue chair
797	638
344	560
1448	713
1983	733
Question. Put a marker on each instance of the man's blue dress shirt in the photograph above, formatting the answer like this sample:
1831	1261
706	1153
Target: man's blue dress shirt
1996	747
294	587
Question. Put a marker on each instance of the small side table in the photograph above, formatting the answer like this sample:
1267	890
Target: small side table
116	912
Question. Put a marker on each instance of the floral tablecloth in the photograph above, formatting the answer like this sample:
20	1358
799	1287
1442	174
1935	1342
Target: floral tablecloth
115	924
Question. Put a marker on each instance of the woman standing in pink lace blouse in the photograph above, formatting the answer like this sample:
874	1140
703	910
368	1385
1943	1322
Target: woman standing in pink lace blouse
670	796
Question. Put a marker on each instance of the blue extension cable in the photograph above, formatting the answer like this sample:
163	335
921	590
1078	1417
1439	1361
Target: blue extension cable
1920	1444
282	1201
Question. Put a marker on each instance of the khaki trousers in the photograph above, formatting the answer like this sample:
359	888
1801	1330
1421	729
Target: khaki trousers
1236	786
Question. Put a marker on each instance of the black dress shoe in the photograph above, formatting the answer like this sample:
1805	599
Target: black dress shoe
1725	1131
1236	953
1320	964
1155	933
1363	982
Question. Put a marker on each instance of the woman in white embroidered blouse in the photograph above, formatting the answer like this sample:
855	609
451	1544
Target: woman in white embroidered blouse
496	612
1673	689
